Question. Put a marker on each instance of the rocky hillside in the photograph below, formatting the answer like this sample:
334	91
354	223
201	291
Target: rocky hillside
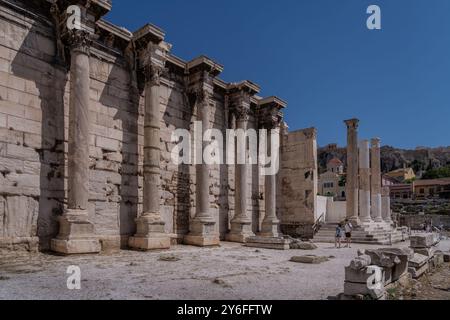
392	158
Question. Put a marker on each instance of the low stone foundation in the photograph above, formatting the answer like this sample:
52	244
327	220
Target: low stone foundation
22	244
303	231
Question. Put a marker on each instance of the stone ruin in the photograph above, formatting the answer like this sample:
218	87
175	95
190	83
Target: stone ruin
86	122
398	266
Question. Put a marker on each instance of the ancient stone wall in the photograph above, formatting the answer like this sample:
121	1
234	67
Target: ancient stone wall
298	182
34	112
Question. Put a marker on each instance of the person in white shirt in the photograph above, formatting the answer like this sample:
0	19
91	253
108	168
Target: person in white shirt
348	233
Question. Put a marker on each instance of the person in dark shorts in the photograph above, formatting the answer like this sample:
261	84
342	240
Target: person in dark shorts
348	233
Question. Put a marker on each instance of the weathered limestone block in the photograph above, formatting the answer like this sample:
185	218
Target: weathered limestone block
19	216
428	252
309	259
437	260
425	240
416	273
303	245
395	259
418	261
361	275
376	291
267	243
418	265
360	262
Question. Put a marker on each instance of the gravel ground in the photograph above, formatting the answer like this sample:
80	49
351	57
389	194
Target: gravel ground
228	272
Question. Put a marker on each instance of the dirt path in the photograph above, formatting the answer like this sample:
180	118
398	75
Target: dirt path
184	272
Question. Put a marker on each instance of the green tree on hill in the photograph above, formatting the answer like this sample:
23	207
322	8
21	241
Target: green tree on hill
443	172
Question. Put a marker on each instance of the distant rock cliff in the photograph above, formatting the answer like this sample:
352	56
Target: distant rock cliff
392	158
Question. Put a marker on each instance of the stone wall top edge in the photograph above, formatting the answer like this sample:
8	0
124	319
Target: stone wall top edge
44	25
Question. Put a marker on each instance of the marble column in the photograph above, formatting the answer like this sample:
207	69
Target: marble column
352	171
376	180
151	233
76	232
386	204
270	118
364	181
270	223
241	224
202	230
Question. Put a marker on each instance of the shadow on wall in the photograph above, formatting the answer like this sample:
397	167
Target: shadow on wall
178	114
118	214
49	78
220	123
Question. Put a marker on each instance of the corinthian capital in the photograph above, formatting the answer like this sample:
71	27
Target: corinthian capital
153	73
80	40
202	95
352	124
242	112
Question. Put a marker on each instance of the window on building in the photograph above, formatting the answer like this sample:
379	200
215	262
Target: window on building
422	191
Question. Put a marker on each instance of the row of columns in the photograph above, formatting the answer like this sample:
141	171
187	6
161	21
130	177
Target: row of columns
77	233
367	201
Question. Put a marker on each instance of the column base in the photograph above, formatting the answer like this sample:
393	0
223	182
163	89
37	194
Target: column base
275	243
355	221
202	233
240	231
269	229
366	220
150	234
76	235
149	243
378	219
79	246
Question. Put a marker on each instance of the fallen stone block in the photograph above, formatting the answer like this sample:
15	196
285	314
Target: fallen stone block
428	252
303	245
361	275
375	291
416	273
360	262
437	260
267	243
309	259
418	260
425	240
394	260
169	258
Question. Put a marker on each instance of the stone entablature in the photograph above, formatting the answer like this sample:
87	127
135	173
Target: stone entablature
81	115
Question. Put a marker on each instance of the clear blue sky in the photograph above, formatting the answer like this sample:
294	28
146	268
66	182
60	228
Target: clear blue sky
319	56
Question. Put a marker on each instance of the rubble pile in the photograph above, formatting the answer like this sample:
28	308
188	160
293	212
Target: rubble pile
373	272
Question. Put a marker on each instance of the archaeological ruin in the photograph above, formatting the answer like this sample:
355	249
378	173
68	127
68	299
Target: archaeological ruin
86	123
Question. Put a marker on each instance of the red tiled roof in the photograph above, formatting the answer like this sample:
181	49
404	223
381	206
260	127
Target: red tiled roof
335	161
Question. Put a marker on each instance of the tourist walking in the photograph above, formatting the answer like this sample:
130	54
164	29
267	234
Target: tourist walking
339	235
348	232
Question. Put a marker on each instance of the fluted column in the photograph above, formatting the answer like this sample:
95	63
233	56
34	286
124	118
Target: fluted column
386	204
150	233
376	180
76	233
364	181
241	224
202	228
352	171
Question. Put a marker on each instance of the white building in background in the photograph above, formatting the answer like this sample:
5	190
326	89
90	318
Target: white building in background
332	182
